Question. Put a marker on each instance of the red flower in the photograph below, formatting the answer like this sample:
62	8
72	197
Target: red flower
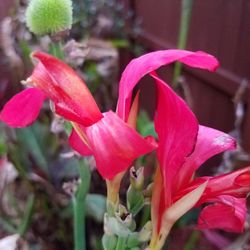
183	146
113	142
130	77
55	80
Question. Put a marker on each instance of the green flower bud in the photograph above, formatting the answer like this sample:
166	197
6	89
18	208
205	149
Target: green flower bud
133	240
135	200
137	178
49	16
109	242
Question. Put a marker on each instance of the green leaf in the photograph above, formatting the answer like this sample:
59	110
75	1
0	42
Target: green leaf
144	125
25	222
30	144
96	206
7	225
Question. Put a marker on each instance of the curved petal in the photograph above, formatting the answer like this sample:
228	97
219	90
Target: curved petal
177	130
23	109
133	113
115	145
176	210
209	143
232	209
157	203
234	184
65	88
145	64
78	145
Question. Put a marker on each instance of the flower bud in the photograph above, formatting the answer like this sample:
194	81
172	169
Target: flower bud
49	16
137	178
109	242
135	200
124	217
133	240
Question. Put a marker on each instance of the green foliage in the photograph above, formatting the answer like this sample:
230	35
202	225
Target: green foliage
96	206
145	126
25	222
30	143
49	16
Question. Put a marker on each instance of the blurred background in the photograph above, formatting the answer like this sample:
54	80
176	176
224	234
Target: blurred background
37	165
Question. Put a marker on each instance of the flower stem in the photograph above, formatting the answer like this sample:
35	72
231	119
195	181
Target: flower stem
79	225
56	50
78	201
113	187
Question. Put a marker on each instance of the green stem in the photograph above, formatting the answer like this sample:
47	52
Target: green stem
56	50
79	207
79	224
183	34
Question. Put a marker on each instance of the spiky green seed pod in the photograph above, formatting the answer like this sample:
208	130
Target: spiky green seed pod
49	16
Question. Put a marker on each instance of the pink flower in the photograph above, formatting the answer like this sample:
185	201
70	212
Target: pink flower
55	80
138	68
113	142
183	145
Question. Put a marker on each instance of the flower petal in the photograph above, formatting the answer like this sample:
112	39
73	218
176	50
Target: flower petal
23	109
227	213
157	203
209	143
234	184
147	63
176	210
177	130
115	145
66	89
133	113
78	145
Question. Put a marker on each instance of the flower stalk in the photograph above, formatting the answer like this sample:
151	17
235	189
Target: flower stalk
113	187
78	202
